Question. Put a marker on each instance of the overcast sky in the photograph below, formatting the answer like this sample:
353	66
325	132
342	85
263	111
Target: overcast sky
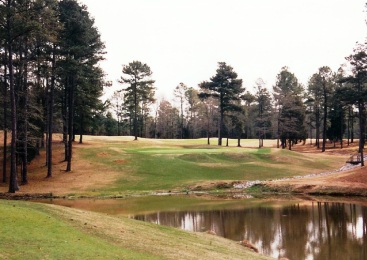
182	40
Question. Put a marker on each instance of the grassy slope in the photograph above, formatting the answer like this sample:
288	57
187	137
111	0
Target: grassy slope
165	164
38	231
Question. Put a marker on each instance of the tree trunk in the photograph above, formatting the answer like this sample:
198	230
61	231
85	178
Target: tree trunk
208	126
341	129
65	120
310	132
70	124
25	123
362	128
352	129
182	130
5	153
324	120
135	111
317	127
13	183
220	128
81	128
289	144
50	115
118	126
5	120
348	126
278	130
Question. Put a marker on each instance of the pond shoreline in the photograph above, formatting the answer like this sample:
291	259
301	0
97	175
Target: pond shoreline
266	189
320	184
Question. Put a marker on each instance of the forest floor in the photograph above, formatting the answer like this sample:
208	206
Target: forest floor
92	175
62	182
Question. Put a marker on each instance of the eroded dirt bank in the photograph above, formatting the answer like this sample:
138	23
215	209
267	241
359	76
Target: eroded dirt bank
349	183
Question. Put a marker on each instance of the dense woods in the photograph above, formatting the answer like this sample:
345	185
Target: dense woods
51	83
50	79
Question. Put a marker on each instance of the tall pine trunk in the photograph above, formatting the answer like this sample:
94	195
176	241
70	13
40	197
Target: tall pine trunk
24	107
81	127
50	116
220	128
13	183
324	120
5	119
362	123
70	124
208	130
348	126
135	111
65	119
317	116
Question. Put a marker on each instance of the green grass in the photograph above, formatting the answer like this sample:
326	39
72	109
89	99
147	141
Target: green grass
39	231
29	232
151	165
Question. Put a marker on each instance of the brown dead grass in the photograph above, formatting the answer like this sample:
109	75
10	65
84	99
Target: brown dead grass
84	176
350	183
353	182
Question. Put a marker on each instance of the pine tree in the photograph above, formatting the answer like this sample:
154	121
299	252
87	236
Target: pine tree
82	49
358	94
225	87
291	112
139	88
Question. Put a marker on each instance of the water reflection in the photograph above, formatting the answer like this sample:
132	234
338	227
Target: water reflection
315	231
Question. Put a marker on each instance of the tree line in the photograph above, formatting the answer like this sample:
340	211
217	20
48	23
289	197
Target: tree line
329	109
50	80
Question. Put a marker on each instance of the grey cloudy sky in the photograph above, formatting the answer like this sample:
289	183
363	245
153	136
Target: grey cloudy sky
182	40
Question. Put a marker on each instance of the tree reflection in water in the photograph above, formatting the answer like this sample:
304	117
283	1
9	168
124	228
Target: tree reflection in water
317	231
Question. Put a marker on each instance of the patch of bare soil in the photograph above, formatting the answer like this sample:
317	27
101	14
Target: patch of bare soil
358	177
103	155
120	161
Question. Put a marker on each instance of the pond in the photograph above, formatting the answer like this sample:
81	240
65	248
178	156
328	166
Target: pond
296	229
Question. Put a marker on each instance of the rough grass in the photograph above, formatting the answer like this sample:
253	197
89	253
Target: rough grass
39	231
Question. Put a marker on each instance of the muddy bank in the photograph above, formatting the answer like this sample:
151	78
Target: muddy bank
310	189
26	196
344	183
